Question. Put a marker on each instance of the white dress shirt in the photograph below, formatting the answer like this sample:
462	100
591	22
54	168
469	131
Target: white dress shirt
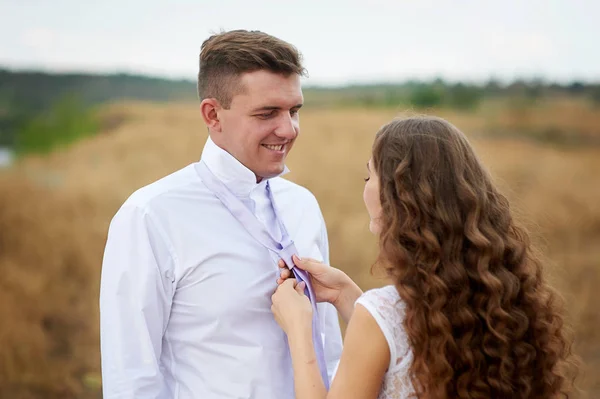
185	292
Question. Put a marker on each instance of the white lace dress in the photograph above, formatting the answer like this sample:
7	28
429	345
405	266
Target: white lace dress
386	307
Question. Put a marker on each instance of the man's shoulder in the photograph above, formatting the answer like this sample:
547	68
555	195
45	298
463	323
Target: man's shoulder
152	194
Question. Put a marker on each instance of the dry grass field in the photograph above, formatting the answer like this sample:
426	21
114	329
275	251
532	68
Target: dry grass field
55	211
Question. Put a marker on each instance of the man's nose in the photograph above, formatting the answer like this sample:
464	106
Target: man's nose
288	128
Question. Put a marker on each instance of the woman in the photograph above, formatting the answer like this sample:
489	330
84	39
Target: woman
468	313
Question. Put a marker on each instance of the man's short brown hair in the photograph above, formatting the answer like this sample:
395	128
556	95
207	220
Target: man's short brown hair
227	55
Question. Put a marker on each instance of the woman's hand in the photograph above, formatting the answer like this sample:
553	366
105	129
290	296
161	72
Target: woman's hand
291	308
330	284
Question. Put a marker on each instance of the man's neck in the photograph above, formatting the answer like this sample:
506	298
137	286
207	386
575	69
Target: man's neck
258	178
230	170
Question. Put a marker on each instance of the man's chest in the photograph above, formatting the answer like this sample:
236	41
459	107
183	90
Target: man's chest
225	273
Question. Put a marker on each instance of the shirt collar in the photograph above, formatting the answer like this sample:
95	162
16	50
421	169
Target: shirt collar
237	177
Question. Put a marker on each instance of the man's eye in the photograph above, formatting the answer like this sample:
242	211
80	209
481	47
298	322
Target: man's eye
294	111
266	115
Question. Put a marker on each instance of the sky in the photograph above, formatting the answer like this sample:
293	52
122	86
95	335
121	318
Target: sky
342	42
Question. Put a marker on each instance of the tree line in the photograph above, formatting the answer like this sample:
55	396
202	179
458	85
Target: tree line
40	109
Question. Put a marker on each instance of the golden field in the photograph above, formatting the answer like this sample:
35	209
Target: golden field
55	211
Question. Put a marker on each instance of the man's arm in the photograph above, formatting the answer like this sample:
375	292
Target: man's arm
136	293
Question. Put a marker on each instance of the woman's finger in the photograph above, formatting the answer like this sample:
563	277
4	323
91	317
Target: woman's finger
288	284
285	273
308	264
300	287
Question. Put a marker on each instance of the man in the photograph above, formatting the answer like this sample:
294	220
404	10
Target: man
185	289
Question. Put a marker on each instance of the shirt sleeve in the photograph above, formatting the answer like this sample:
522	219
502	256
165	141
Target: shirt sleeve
136	291
329	318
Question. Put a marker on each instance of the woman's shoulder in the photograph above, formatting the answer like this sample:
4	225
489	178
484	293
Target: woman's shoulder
385	295
384	302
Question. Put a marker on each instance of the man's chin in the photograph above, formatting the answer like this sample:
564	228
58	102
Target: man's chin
268	174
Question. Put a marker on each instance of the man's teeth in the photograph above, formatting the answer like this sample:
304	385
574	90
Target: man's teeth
274	147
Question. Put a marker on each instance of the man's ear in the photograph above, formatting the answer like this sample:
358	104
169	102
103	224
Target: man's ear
209	108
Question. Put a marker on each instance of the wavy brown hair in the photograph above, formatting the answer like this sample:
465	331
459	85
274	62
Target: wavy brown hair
480	318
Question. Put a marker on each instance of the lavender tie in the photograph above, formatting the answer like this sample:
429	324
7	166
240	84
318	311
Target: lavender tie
285	248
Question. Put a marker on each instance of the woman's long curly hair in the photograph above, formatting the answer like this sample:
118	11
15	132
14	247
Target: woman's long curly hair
480	319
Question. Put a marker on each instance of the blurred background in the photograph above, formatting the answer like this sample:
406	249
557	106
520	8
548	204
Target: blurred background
98	99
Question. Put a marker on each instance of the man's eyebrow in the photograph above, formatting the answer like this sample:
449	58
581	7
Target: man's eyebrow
274	108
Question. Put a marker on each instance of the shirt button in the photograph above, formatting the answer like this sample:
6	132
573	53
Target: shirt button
169	275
